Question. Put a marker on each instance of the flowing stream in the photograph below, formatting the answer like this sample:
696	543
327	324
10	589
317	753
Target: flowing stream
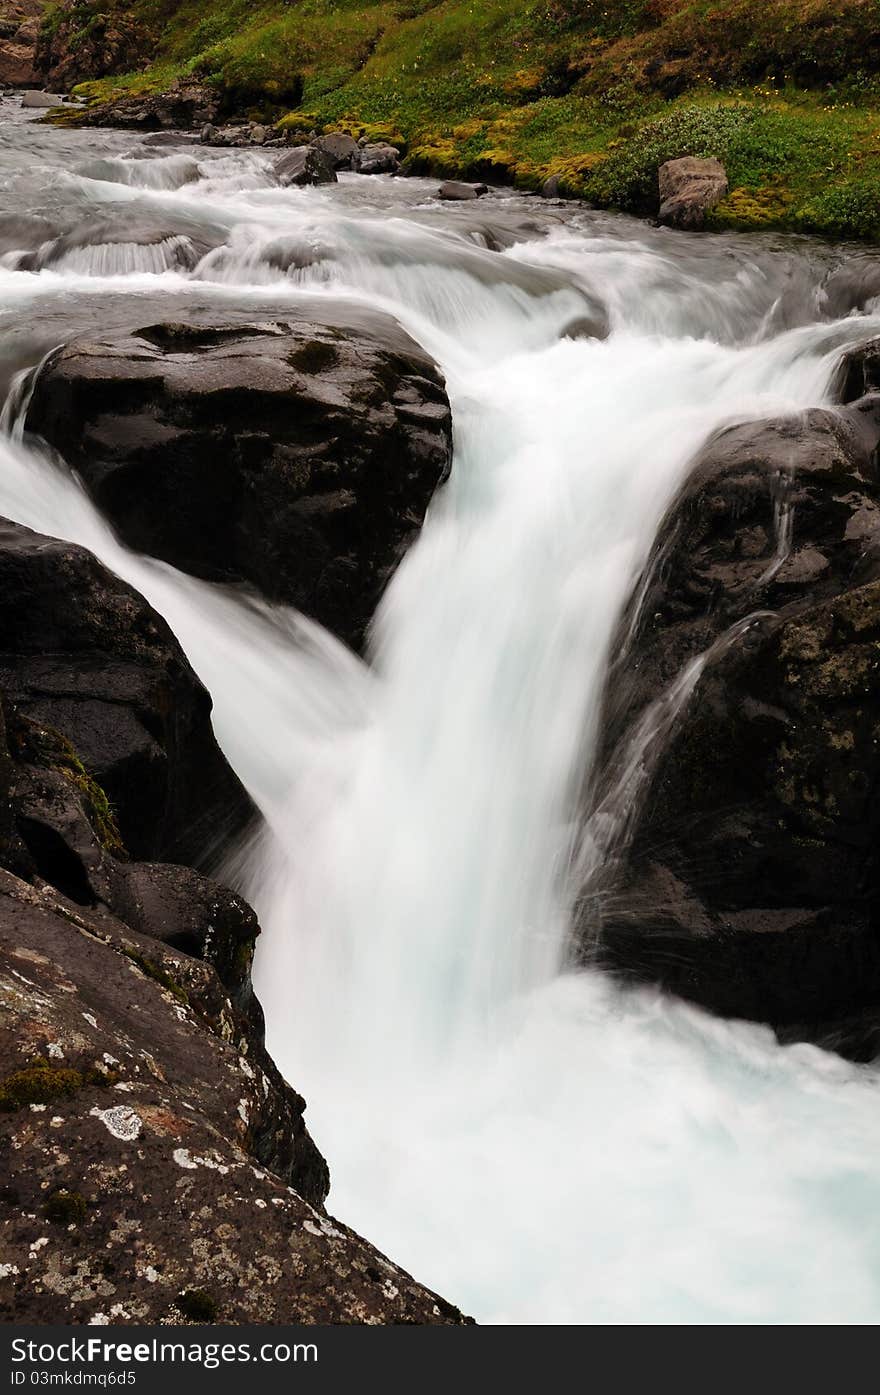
533	1142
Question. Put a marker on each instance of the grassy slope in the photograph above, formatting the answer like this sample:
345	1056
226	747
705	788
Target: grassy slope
786	92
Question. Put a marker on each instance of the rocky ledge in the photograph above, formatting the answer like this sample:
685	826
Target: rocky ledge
19	35
299	456
743	734
160	1169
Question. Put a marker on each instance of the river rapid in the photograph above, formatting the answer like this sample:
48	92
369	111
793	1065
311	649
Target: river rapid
533	1142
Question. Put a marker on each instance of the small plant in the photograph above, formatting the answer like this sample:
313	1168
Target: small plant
197	1305
65	1207
38	1083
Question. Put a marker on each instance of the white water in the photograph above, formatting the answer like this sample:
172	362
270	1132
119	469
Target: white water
534	1143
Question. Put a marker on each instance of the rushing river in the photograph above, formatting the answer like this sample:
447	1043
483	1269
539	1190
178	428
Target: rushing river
533	1142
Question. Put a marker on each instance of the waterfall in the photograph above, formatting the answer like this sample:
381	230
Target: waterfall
536	1143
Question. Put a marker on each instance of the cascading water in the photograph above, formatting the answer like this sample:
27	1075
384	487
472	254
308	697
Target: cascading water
531	1141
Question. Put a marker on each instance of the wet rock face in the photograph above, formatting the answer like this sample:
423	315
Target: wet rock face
298	456
689	188
82	654
749	879
144	1137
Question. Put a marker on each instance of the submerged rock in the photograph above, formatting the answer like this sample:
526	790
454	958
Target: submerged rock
689	188
83	655
454	191
38	100
299	456
746	824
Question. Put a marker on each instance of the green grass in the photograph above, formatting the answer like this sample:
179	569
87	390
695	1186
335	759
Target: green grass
785	92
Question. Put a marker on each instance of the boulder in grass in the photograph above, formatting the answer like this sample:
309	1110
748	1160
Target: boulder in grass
689	189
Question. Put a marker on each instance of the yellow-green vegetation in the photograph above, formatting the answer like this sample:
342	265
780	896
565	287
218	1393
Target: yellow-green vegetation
64	1207
159	975
197	1306
41	1082
53	750
785	92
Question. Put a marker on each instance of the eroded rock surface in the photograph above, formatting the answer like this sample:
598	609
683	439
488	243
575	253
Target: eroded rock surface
139	1129
299	456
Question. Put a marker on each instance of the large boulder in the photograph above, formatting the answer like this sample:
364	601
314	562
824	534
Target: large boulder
83	656
304	164
299	456
159	1169
736	804
339	149
454	191
689	188
379	158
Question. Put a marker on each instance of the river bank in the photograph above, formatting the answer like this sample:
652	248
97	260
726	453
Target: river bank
784	93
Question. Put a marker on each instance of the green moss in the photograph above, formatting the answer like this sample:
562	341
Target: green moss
159	975
47	747
65	1207
197	1305
38	1083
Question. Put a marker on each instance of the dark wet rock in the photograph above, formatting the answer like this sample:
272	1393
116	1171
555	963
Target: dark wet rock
147	1142
169	138
749	877
191	913
380	158
185	105
181	241
20	231
859	373
84	656
456	192
298	456
238	135
305	164
851	286
552	187
689	188
340	150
